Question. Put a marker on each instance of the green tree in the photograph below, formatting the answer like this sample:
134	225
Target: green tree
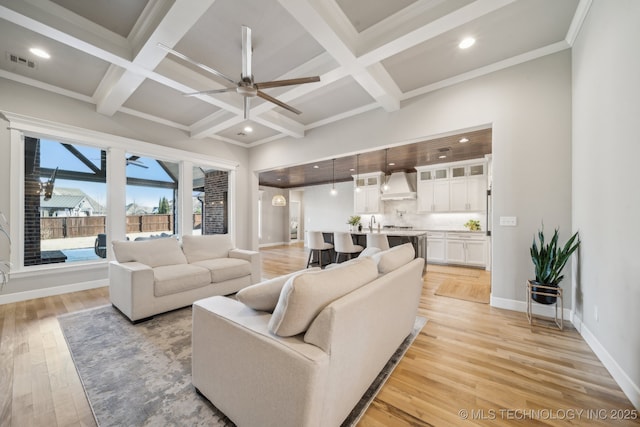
163	206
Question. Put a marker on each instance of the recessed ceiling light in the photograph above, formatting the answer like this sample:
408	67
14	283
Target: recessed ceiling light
463	140
442	156
248	129
351	170
316	166
392	164
39	52
467	43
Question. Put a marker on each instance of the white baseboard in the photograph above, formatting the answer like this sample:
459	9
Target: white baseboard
537	309
266	245
54	290
619	375
630	389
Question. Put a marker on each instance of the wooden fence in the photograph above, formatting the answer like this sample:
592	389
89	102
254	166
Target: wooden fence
82	226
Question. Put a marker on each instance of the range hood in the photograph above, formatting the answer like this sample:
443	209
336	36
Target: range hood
400	188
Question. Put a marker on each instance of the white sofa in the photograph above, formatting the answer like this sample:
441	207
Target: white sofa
310	361
154	276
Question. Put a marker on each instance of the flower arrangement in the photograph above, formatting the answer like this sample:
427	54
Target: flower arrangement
354	220
472	225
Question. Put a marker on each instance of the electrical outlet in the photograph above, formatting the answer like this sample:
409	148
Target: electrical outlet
509	221
595	313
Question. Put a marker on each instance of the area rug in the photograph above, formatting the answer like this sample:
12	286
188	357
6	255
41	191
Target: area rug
140	375
465	290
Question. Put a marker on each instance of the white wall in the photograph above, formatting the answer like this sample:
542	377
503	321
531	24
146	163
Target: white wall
40	104
275	219
529	109
606	199
324	212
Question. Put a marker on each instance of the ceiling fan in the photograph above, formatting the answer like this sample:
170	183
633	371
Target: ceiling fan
245	86
133	160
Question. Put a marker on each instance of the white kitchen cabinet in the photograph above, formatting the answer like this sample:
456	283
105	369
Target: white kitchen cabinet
436	247
466	249
366	190
433	190
468	188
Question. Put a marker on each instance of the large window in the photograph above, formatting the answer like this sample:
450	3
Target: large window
151	201
64	201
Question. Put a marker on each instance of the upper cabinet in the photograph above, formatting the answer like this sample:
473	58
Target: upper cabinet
366	190
433	190
468	188
453	187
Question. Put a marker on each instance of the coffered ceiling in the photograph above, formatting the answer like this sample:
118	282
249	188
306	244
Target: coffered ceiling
369	54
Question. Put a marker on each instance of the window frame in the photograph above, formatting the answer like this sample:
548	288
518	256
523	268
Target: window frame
116	147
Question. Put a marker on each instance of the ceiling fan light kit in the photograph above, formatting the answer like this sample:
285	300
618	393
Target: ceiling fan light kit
245	87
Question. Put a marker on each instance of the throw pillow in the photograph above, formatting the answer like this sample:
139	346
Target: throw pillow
264	296
305	295
394	258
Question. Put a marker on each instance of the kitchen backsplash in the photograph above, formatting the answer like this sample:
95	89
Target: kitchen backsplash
403	213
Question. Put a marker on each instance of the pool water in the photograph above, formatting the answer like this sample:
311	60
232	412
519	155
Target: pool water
81	254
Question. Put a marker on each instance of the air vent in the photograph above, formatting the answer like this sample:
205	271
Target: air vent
29	63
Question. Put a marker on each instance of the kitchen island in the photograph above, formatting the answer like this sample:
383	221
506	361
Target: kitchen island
396	237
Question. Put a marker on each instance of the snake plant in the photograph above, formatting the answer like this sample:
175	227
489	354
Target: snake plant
549	259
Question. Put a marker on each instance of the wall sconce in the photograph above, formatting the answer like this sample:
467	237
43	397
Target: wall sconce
46	188
278	200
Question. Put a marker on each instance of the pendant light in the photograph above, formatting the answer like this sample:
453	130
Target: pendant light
385	186
278	200
357	172
333	179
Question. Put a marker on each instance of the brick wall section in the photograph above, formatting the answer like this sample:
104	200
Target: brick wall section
216	185
32	254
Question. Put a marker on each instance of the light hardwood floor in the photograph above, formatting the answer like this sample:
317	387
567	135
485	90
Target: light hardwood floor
469	357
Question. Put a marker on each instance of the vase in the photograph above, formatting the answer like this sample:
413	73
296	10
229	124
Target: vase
544	288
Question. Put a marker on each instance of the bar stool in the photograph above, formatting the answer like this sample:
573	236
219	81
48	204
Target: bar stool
318	245
344	245
377	241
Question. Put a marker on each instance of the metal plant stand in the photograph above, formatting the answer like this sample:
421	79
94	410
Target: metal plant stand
549	291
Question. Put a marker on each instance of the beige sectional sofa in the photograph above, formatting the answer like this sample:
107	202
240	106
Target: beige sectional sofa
312	343
154	276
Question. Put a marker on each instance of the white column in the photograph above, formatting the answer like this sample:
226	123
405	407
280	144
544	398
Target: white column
185	199
116	196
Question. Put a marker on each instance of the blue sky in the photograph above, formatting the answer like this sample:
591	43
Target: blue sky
53	154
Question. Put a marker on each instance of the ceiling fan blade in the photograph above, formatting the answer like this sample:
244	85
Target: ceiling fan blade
246	107
277	102
196	63
246	54
208	92
289	82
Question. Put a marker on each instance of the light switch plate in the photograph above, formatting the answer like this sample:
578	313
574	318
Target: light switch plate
508	221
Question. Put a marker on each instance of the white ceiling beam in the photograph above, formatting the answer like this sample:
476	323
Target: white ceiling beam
161	22
433	29
213	123
326	26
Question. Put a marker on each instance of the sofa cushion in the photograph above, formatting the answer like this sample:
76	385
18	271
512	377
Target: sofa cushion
199	248
370	251
223	269
305	295
264	296
172	279
154	253
394	258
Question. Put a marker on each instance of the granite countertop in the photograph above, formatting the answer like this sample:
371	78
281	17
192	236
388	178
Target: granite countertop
455	230
407	233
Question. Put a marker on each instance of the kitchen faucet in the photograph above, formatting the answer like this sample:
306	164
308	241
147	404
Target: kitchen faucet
372	221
